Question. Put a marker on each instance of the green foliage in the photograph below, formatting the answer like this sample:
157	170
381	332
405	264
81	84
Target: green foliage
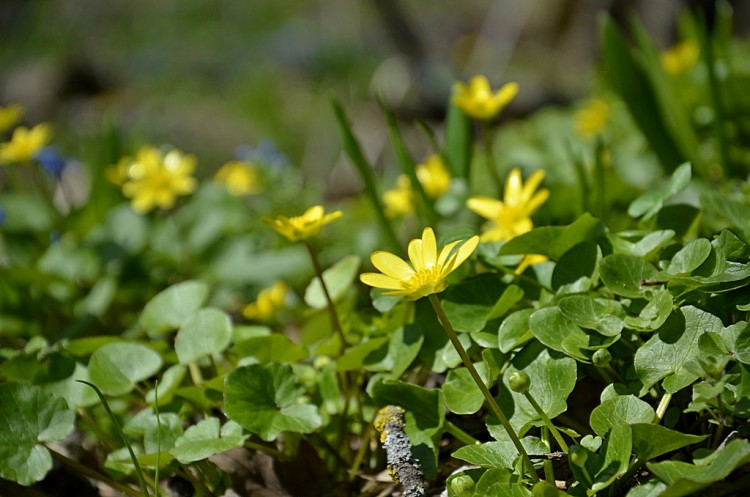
611	329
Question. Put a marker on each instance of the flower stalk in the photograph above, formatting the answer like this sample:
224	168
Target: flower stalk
494	407
335	323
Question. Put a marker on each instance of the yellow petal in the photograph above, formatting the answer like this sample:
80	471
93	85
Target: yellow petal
379	280
429	248
465	250
416	254
513	186
445	253
391	265
487	207
532	183
332	216
536	201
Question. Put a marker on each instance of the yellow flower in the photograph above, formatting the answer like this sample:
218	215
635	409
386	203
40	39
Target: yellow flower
239	178
302	227
154	180
427	272
680	58
9	116
434	176
511	216
399	201
118	174
477	100
25	143
530	260
591	118
270	301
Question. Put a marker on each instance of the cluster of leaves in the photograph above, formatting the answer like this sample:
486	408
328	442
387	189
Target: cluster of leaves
634	342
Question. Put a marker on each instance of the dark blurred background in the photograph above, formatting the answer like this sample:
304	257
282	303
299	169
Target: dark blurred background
209	75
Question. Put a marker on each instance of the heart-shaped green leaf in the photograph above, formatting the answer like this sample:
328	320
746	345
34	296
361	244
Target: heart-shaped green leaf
554	241
263	399
627	409
171	307
650	440
205	439
674	345
116	367
205	332
29	417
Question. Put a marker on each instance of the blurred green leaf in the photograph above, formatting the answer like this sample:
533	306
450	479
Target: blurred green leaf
171	307
648	205
424	406
263	399
205	332
338	279
116	367
630	80
271	348
554	241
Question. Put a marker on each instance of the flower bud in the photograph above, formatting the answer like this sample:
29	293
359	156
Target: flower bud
601	357
519	382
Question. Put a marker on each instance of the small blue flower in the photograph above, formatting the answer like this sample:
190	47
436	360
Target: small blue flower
51	161
2	215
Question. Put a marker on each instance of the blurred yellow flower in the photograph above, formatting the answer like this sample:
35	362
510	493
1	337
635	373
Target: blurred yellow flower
432	175
530	260
477	100
9	116
302	227
25	143
511	216
268	304
239	178
591	118
427	272
156	180
399	201
118	174
679	58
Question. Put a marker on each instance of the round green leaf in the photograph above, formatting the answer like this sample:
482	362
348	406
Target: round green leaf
514	330
462	395
263	400
29	416
623	274
204	439
627	409
594	314
338	279
171	307
206	332
116	367
271	348
690	257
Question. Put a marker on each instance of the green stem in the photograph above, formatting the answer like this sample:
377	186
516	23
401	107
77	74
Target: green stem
547	422
335	323
490	156
549	468
352	148
94	475
360	455
494	408
715	95
460	434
